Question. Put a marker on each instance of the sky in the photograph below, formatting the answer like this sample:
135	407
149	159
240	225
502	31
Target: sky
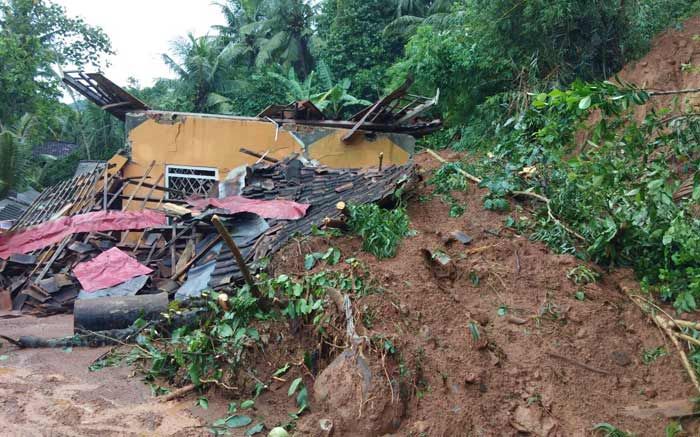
141	30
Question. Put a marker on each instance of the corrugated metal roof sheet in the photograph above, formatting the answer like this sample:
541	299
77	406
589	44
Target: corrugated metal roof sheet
11	210
59	149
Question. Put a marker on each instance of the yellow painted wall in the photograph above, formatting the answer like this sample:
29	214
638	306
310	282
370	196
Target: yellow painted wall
361	152
211	141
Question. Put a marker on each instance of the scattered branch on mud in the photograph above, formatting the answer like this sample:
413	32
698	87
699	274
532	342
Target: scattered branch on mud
529	194
666	323
576	363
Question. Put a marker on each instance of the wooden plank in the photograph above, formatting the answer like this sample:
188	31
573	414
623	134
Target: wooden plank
669	409
54	257
143	205
196	258
139	185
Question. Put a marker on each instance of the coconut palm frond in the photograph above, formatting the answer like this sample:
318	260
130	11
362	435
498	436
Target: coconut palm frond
404	25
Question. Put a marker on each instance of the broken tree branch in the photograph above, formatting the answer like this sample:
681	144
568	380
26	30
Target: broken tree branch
666	326
576	363
529	194
180	392
236	254
671	92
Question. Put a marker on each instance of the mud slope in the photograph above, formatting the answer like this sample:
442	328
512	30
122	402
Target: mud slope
464	389
662	69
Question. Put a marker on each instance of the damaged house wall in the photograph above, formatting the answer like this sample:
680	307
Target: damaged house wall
213	142
304	165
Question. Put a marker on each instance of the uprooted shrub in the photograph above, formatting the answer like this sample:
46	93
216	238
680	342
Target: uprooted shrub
223	338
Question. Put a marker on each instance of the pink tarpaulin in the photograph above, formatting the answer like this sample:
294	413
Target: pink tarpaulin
272	209
108	269
48	233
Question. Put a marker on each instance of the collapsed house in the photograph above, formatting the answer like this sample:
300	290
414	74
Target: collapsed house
143	222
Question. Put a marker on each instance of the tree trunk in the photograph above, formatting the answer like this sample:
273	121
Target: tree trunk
117	312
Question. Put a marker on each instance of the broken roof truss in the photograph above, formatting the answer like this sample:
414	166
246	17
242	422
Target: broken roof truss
398	112
104	93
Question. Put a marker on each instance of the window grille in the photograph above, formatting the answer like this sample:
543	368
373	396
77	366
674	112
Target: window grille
190	180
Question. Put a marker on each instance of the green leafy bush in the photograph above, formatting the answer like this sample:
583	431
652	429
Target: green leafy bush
615	189
381	229
210	350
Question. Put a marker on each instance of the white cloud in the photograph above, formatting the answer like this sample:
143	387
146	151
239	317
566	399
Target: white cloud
141	30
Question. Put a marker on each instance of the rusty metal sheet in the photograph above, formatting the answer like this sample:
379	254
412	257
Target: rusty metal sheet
270	209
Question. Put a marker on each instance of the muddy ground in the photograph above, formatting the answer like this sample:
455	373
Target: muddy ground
51	392
547	363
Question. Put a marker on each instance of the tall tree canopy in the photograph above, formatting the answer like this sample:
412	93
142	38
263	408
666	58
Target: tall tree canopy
355	46
34	36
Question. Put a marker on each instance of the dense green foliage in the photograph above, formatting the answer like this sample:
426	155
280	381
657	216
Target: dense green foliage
486	53
382	230
355	46
37	37
611	196
34	37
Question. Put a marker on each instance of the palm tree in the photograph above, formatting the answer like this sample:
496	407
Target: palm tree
204	72
15	155
412	13
239	14
271	32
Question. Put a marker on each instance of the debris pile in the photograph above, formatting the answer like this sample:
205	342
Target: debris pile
85	239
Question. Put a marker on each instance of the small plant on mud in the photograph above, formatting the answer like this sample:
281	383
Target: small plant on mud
331	256
446	180
582	275
382	230
302	395
673	429
305	296
608	430
651	355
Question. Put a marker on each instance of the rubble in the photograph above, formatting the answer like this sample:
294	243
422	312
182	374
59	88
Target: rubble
85	240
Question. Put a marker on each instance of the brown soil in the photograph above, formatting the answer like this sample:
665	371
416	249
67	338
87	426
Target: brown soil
463	388
662	69
51	392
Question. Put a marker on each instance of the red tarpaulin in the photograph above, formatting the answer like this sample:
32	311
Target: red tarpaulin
48	233
108	269
271	209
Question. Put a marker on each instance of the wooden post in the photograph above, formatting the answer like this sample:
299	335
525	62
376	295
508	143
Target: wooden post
236	254
173	253
104	189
